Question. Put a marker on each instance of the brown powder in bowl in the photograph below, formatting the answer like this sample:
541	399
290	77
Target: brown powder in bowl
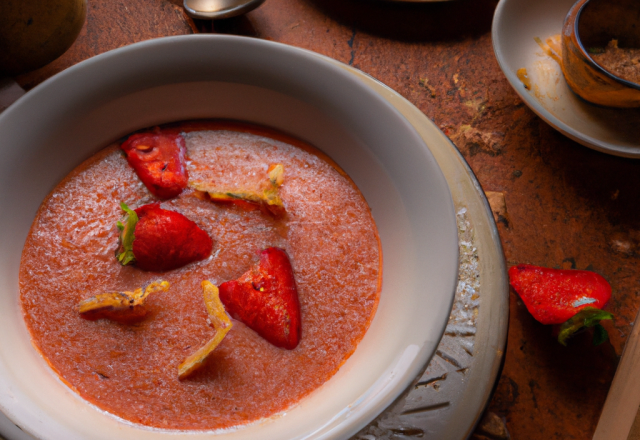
621	61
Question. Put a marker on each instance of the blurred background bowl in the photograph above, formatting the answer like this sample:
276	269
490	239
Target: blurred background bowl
593	24
35	32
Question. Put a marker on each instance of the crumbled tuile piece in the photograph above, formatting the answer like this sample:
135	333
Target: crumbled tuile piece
221	323
120	306
523	76
493	427
498	207
266	197
552	46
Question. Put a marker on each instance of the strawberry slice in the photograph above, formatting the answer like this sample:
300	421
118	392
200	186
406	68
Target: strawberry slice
158	240
572	298
159	159
265	298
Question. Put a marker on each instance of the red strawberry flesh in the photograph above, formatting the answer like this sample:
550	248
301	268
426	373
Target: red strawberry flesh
265	298
553	296
166	240
159	159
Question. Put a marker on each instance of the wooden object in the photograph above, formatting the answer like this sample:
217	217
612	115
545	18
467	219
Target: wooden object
635	428
623	399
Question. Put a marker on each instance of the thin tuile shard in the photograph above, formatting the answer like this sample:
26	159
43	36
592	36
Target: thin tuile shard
266	197
221	323
120	306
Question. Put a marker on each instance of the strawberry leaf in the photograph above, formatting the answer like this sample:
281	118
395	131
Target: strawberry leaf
587	317
125	252
600	335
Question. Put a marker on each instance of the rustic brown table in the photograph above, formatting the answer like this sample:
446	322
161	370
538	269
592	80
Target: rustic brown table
566	205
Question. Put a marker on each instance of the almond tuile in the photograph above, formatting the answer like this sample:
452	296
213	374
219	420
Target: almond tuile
266	197
120	306
221	323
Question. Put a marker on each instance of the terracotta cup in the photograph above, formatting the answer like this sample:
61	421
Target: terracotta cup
593	23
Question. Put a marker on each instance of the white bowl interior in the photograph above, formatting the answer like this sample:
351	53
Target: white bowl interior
68	118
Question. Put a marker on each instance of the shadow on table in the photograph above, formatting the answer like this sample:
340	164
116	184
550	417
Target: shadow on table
608	185
413	21
232	26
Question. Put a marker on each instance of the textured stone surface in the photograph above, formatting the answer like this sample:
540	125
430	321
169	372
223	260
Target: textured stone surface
568	206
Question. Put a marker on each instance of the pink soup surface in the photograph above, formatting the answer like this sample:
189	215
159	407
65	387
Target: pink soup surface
131	370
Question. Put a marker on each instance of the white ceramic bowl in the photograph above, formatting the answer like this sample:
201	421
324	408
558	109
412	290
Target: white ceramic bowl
71	116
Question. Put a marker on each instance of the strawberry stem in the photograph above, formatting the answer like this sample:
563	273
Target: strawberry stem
125	252
587	317
600	335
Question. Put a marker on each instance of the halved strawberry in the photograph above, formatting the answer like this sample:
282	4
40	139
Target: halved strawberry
572	298
265	298
159	159
157	239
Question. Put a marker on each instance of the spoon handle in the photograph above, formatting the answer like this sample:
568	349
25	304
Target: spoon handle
218	9
623	400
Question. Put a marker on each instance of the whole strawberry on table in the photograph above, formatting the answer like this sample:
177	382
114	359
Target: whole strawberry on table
572	299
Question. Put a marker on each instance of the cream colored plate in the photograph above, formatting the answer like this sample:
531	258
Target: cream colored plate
453	415
457	417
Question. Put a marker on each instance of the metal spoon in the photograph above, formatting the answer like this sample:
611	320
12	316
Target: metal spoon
214	9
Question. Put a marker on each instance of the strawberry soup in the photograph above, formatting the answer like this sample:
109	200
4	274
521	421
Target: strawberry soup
130	369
